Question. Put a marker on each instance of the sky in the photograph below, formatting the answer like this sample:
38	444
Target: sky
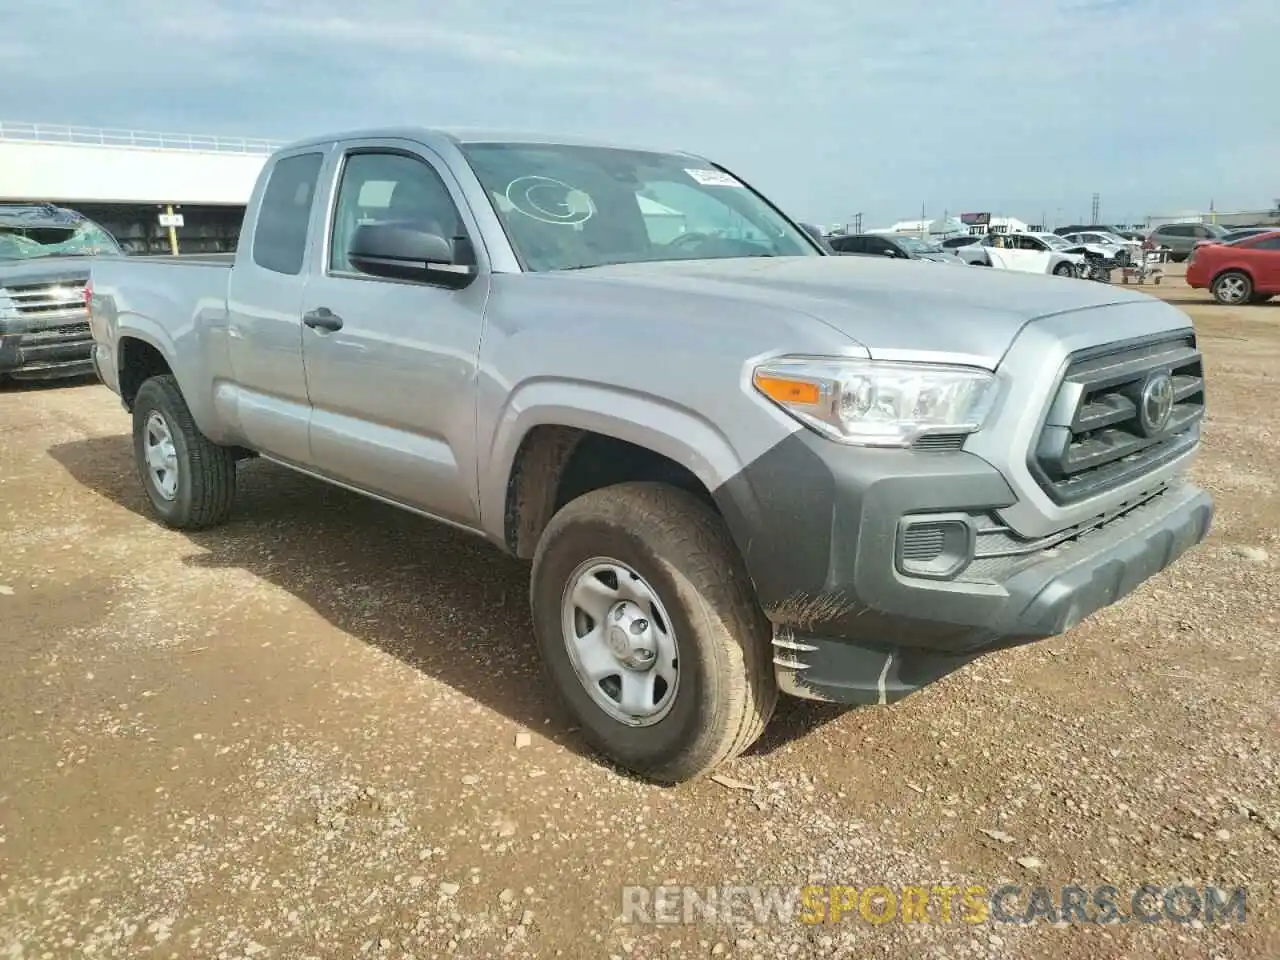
830	107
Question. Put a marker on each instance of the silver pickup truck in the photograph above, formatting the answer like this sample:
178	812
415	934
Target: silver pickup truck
740	465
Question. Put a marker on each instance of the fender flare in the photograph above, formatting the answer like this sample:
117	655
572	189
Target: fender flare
655	423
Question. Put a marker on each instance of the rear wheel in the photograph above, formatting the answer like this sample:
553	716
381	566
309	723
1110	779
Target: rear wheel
1232	288
650	631
190	480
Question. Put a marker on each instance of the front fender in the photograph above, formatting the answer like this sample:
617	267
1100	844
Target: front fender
648	421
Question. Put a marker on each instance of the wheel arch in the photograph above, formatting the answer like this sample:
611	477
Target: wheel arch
546	454
138	358
1220	272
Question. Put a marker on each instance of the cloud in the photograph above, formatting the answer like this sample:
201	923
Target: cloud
833	108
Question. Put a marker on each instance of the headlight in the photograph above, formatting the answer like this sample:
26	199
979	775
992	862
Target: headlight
874	404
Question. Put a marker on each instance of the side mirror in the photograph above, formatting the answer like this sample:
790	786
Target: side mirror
400	252
890	252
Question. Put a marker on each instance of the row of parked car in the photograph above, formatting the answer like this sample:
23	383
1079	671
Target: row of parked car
1075	255
1237	266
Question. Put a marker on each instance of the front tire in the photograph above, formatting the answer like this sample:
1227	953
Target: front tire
189	479
1064	270
1232	288
650	631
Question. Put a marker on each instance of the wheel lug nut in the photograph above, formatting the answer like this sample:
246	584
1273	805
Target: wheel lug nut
639	626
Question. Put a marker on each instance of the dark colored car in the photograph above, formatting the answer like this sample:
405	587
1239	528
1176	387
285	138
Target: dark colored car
900	246
1247	271
44	323
965	240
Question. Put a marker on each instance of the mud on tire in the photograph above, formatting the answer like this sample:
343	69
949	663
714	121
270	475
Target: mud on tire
680	548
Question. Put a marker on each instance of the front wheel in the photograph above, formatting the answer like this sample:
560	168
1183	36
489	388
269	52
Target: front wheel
189	479
650	631
1064	270
1232	288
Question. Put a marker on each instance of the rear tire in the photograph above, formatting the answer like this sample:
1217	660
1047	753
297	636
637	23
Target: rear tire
1232	288
189	479
671	547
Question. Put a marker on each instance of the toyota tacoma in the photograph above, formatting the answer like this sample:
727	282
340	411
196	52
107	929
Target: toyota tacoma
740	466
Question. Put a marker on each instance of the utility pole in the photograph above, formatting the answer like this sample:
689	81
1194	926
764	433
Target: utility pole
1097	206
923	226
857	223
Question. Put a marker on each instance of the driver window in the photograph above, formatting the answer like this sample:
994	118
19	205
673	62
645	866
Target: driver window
389	188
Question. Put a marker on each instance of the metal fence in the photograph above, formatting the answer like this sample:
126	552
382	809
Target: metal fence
54	133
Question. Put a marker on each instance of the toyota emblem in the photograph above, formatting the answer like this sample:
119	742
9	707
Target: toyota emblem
1156	406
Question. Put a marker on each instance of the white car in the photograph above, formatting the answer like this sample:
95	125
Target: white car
1025	252
1108	245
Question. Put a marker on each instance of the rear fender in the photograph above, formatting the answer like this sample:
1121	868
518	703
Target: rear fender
185	356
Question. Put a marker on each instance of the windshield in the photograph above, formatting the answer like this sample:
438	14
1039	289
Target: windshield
917	245
1053	240
567	207
84	239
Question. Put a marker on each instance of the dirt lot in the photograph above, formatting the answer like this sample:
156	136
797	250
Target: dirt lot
299	736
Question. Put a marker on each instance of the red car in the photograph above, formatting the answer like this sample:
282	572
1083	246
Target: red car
1247	271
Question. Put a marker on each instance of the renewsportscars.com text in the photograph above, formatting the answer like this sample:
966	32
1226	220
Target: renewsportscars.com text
971	904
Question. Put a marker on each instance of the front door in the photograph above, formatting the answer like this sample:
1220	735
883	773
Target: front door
393	387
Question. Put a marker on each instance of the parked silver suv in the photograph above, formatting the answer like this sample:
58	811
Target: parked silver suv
1181	238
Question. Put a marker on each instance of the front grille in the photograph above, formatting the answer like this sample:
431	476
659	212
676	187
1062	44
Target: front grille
62	333
999	552
1100	431
47	302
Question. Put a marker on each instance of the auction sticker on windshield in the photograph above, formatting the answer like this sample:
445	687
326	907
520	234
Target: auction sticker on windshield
713	178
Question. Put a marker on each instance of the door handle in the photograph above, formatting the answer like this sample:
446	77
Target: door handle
322	318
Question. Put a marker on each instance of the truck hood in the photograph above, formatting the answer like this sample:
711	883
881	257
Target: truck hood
887	306
44	270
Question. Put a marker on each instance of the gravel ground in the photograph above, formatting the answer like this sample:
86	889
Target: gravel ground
321	732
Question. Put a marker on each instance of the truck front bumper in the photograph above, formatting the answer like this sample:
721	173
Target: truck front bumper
883	571
47	353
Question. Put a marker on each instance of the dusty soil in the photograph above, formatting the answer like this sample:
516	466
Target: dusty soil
301	735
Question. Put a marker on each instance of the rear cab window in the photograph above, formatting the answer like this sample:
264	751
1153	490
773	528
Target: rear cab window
284	213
